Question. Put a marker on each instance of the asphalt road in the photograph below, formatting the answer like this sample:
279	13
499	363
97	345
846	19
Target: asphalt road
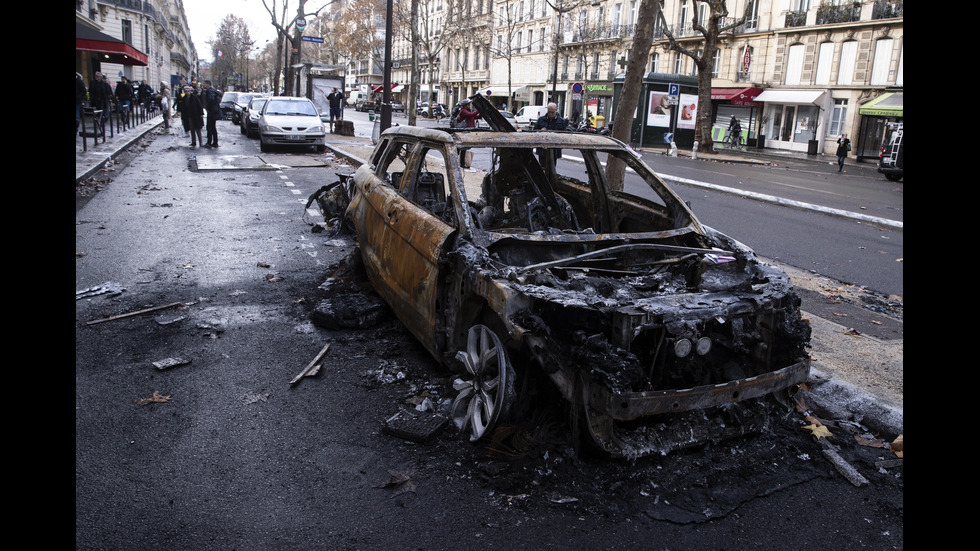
221	275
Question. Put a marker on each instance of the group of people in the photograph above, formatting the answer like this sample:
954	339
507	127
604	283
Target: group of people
193	102
101	95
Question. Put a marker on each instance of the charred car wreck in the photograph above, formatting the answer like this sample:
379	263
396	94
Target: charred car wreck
624	300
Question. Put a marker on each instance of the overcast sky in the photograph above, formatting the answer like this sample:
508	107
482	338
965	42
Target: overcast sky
205	16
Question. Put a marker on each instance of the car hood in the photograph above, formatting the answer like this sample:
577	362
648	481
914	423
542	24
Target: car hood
292	121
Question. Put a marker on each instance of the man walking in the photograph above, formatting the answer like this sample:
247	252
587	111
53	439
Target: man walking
550	121
212	105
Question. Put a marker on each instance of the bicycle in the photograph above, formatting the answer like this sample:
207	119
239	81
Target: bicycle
735	140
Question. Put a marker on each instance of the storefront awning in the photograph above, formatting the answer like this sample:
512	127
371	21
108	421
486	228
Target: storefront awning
500	91
737	96
396	89
790	96
380	87
111	50
886	105
523	93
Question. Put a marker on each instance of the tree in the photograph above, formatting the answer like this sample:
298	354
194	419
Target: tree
229	51
632	86
711	25
361	31
291	43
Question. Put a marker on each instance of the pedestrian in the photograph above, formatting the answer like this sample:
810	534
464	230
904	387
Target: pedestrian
145	94
843	146
80	95
467	115
124	95
193	115
551	120
212	106
164	96
336	101
99	95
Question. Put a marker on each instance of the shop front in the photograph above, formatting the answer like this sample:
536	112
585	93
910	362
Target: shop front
792	118
739	103
878	118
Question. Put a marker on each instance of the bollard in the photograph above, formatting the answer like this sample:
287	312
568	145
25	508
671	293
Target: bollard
673	149
694	151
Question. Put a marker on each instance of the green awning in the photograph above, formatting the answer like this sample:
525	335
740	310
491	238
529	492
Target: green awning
885	105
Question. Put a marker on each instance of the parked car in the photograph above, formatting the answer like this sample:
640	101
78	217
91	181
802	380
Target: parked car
547	275
290	121
250	116
240	103
397	106
227	104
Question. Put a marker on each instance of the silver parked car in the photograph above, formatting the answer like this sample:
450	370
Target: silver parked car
288	121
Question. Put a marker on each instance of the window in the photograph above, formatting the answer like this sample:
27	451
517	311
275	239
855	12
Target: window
716	62
541	41
752	15
882	60
678	63
838	117
825	58
127	31
530	40
520	37
654	62
794	65
899	79
845	72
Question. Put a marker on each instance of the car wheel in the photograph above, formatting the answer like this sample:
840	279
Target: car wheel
487	394
893	177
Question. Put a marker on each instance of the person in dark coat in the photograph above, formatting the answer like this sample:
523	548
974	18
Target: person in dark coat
100	94
125	96
192	115
550	121
212	105
80	95
843	146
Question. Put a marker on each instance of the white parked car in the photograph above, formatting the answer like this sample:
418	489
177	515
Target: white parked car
528	115
288	121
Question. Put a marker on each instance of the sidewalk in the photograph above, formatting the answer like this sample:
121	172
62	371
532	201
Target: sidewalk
89	162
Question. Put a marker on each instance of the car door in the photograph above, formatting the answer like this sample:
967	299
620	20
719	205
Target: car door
401	242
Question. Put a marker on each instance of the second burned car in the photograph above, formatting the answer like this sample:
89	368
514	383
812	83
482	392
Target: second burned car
532	268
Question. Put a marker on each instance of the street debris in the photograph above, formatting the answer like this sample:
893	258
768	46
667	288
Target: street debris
109	288
387	372
167	363
313	367
156	397
842	466
417	426
136	313
400	482
253	397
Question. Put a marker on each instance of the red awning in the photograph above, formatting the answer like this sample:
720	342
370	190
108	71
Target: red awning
380	87
738	96
112	49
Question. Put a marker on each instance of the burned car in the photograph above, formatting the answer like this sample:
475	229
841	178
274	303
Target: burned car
632	308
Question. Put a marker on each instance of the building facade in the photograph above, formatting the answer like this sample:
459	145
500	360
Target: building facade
137	39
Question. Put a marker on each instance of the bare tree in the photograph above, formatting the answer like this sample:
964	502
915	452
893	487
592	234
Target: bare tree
632	86
289	44
711	25
230	50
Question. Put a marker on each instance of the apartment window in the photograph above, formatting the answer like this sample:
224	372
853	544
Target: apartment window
654	62
825	59
486	57
716	63
520	37
845	71
678	63
882	60
541	41
632	14
838	117
752	15
617	14
794	65
530	9
127	31
595	66
530	40
899	79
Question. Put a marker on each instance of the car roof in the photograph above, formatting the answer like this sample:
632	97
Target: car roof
480	138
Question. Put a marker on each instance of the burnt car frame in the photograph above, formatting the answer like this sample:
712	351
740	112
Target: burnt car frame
626	302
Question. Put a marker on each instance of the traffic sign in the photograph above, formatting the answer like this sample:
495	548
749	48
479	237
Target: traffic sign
674	90
317	39
577	88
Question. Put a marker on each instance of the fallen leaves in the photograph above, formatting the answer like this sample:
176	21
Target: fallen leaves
156	397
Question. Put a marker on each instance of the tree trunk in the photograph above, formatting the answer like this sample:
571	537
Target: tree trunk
632	87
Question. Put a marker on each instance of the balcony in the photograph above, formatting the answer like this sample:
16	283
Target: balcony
887	9
842	13
796	19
